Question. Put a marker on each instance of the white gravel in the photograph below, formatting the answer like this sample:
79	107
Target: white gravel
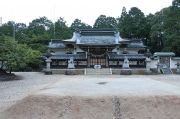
12	91
111	86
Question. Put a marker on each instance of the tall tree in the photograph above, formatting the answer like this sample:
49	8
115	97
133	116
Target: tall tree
21	33
7	28
77	24
39	26
62	31
176	3
105	22
133	24
18	56
172	27
123	22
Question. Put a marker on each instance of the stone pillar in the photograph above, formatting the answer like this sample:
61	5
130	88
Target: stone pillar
48	66
158	68
148	65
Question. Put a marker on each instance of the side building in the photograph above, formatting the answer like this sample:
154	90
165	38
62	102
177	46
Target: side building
92	47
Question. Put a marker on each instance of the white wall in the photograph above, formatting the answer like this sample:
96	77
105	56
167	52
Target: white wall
173	64
152	64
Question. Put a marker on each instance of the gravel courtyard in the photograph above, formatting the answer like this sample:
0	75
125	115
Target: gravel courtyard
90	91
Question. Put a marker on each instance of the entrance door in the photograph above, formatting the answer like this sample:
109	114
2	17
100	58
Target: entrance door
97	56
96	60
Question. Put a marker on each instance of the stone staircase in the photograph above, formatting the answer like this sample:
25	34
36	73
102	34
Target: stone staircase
103	71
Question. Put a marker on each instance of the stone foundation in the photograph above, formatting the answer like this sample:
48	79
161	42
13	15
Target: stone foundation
126	72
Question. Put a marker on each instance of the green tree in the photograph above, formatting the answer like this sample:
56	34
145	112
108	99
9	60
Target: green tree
176	3
105	22
39	26
7	29
77	24
18	56
172	27
38	34
123	24
21	34
133	24
62	31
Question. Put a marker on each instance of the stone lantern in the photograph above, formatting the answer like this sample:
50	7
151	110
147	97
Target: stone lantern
159	67
148	61
178	68
48	63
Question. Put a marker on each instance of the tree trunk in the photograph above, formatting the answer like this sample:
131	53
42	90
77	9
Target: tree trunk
10	70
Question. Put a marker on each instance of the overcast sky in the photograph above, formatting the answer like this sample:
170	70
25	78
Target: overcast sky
86	10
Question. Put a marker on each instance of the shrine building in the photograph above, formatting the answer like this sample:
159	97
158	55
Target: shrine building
90	47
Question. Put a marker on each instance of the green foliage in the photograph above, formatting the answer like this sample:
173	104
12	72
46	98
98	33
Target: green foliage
62	31
105	22
77	24
160	32
7	29
132	24
39	26
176	3
18	56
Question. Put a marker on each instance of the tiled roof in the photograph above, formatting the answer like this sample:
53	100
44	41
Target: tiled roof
164	54
56	44
68	56
100	32
136	44
97	40
129	56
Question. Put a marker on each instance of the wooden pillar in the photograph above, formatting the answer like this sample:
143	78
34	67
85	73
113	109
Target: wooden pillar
107	61
88	60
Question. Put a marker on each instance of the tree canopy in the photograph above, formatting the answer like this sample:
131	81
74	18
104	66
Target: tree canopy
105	22
132	24
18	56
77	24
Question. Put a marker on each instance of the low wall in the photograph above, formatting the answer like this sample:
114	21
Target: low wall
63	71
174	71
174	64
134	71
141	71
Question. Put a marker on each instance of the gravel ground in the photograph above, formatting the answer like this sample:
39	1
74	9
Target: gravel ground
110	86
13	91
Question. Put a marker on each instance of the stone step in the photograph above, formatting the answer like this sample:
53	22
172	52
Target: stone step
103	71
